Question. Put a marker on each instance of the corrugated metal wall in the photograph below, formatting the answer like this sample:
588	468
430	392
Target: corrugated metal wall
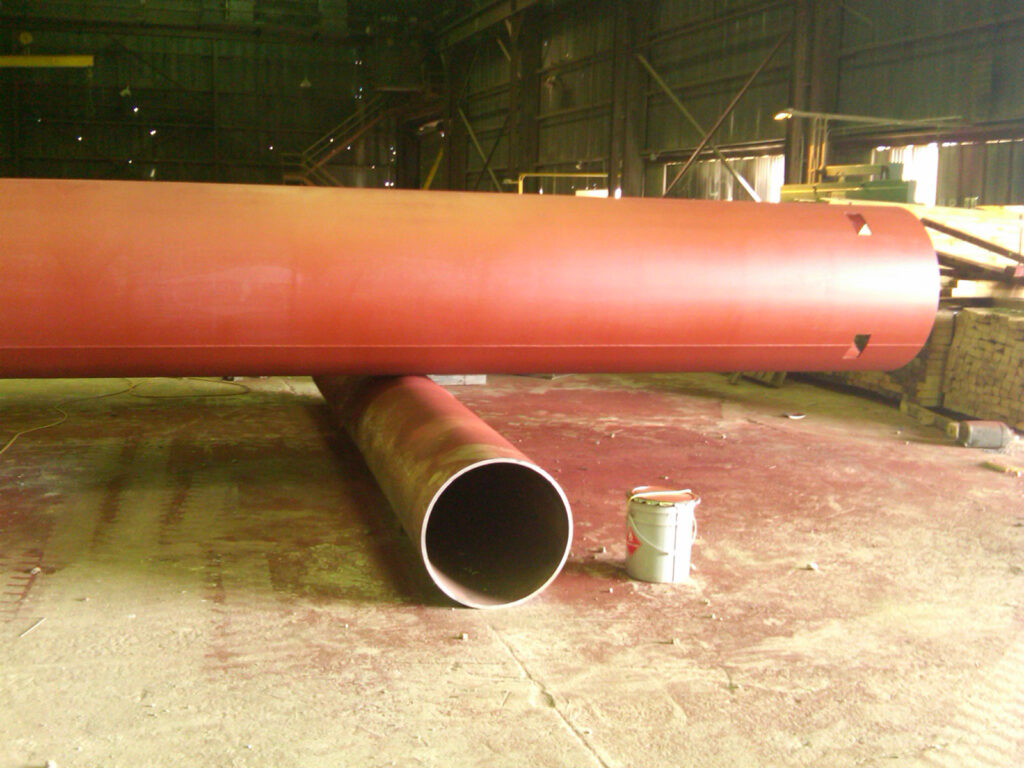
219	93
209	103
927	59
709	180
945	58
909	59
574	98
986	173
486	106
705	50
575	92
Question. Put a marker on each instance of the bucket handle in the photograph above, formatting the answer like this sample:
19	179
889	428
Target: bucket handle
643	540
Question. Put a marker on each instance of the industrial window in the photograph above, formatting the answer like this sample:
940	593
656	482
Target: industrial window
711	180
962	174
920	164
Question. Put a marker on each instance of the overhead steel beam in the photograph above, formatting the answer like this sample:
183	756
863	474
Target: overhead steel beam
204	279
313	36
660	81
481	19
726	112
999	22
25	61
716	19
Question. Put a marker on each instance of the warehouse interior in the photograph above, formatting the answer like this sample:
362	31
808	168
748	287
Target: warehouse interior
208	568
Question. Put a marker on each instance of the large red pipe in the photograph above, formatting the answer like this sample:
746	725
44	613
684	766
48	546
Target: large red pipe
102	278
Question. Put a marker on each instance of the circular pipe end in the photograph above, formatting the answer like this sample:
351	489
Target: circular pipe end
497	533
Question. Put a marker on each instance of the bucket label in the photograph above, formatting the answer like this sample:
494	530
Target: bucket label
632	542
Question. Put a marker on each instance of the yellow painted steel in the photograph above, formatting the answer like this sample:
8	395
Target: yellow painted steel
433	168
77	61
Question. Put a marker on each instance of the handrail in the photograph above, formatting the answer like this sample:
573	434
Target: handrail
554	175
312	159
369	108
343	145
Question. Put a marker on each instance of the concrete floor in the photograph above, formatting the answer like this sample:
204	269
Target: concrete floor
196	574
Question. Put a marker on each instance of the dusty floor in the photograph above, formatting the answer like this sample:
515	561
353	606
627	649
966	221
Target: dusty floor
215	580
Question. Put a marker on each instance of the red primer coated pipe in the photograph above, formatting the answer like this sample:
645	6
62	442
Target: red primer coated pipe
491	527
103	278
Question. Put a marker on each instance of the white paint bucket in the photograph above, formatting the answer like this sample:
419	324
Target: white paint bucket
660	530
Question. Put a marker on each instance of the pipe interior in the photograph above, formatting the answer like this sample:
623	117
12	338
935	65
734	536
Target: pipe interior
497	534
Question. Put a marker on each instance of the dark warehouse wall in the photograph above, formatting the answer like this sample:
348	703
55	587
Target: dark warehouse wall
177	91
909	60
495	89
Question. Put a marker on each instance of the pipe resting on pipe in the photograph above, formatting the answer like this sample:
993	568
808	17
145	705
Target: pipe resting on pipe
105	278
493	528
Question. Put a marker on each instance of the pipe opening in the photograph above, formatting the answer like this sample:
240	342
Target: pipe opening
496	534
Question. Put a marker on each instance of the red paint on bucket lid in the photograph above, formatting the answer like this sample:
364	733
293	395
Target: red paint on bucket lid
662	496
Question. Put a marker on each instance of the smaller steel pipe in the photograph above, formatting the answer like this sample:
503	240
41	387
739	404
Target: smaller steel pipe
492	528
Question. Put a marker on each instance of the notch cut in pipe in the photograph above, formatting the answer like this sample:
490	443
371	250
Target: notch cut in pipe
174	279
492	528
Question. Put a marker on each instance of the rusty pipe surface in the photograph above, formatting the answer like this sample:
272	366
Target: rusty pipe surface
110	278
492	528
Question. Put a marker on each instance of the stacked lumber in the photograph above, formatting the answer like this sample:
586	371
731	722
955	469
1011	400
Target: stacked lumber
880	382
926	386
984	374
769	378
921	379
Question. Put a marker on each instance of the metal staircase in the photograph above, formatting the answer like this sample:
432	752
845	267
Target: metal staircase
309	167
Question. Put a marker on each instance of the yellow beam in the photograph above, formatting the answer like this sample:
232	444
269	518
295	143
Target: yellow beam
36	62
433	168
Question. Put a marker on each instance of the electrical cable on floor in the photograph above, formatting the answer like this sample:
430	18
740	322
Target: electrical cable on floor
13	440
242	389
59	407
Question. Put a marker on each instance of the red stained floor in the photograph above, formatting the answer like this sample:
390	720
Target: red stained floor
199	569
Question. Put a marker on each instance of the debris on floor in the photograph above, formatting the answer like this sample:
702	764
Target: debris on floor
252	599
